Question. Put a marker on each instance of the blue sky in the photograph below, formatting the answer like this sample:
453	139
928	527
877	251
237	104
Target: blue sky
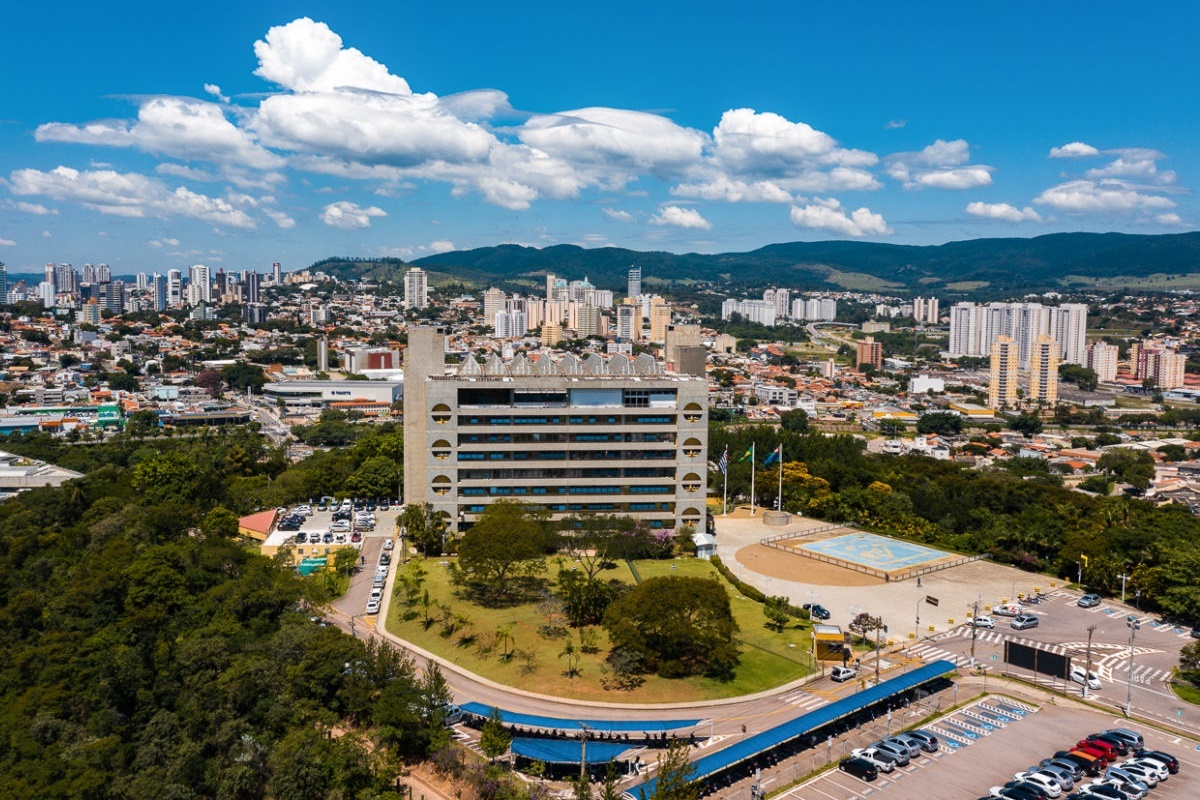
151	136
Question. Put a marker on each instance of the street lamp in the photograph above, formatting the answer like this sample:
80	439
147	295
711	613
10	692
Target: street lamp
1133	624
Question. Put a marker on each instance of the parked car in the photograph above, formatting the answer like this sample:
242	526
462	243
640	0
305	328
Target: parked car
1092	744
372	606
385	558
1171	762
912	748
1121	744
341	515
1064	775
327	538
1109	790
1156	769
1133	737
1090	764
882	761
388	544
1089	600
982	621
927	741
1008	610
1024	621
859	768
1073	768
841	674
1047	782
898	751
340	526
1127	782
356	537
301	538
383	505
816	611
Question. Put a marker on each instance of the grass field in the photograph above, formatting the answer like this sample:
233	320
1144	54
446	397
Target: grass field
768	658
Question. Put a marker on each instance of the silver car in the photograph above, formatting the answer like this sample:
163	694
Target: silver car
896	750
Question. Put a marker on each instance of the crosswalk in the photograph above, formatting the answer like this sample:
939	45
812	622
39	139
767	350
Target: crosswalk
806	701
1110	661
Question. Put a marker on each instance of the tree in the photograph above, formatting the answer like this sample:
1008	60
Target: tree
220	522
675	774
502	553
210	381
1026	423
1189	662
794	421
242	376
375	477
570	652
676	625
864	625
494	738
943	423
1133	467
775	609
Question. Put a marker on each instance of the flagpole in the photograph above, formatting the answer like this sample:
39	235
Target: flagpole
779	500
753	469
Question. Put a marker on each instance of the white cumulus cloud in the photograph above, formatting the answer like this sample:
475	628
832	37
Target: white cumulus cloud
679	217
941	165
177	127
1170	218
618	215
127	195
307	56
827	214
6	242
1004	212
441	246
1074	150
1097	196
350	216
215	91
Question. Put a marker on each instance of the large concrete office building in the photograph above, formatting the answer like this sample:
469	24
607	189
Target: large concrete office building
614	436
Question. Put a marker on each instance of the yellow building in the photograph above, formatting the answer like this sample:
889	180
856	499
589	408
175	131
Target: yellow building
552	334
1002	388
1043	371
660	318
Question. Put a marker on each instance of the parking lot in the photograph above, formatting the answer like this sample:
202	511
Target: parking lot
994	756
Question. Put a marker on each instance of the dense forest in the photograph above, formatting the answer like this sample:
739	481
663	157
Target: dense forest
1019	515
149	654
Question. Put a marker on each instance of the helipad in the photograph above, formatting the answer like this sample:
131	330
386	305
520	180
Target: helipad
874	551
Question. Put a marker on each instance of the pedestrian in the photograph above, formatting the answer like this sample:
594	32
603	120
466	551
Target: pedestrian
918	581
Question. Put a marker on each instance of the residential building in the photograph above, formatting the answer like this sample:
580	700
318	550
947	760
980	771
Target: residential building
616	436
416	289
199	288
493	304
1161	366
660	318
1002	386
552	334
1043	371
1102	359
634	287
869	352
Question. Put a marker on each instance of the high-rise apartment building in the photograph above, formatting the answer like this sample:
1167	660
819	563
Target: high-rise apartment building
1043	371
158	292
869	352
552	334
253	291
1102	359
3	283
614	436
925	310
493	304
416	289
510	324
276	274
973	328
174	288
199	289
660	318
629	323
1160	365
634	286
1002	387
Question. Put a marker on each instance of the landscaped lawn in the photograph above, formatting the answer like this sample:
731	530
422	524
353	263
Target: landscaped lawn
768	658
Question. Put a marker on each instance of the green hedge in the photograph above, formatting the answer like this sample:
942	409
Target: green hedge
752	592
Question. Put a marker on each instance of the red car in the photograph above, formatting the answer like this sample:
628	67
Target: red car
1098	749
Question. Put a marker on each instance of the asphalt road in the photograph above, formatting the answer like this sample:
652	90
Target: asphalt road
1064	625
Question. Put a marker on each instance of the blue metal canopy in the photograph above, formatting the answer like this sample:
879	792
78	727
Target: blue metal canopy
567	751
555	723
806	723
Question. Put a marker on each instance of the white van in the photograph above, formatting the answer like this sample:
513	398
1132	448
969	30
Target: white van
1080	675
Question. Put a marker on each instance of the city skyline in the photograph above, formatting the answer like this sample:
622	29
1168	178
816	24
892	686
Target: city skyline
269	136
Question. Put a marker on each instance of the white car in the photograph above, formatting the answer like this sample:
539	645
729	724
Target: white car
389	544
1043	779
982	621
1145	774
1082	677
305	510
882	762
372	606
341	526
1156	768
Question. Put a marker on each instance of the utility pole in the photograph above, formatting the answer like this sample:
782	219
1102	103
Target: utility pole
1123	578
974	630
1133	624
1087	675
879	628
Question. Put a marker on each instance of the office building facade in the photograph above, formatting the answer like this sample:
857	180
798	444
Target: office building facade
611	435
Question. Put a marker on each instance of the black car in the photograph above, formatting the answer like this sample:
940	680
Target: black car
1010	791
1121	745
340	515
1166	759
816	611
1090	767
1107	791
859	768
1028	788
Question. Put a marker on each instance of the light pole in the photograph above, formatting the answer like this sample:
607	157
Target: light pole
1087	675
583	740
1123	578
1132	623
